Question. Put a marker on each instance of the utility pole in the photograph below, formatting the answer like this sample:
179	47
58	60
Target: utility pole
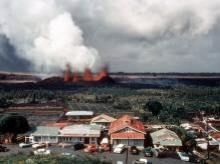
126	159
207	139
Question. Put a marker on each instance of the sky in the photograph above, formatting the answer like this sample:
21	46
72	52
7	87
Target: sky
128	35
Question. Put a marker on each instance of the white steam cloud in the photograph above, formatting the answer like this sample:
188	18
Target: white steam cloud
155	18
45	35
151	18
150	35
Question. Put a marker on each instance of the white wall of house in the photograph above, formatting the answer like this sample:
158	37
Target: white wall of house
70	139
91	140
48	139
130	142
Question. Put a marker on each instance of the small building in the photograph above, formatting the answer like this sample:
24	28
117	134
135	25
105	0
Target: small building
102	119
202	143
78	117
127	130
216	136
45	134
87	134
186	126
167	139
79	114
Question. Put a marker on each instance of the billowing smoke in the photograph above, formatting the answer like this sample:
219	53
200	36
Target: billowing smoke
45	35
150	18
132	35
162	18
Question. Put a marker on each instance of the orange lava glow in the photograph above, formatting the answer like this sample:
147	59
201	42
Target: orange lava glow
87	75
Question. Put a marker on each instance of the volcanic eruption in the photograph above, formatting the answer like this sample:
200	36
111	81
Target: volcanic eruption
67	74
87	75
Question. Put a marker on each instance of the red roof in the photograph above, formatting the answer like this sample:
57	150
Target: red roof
217	122
215	135
126	121
128	135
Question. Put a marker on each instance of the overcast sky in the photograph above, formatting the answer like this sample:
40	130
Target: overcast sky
129	35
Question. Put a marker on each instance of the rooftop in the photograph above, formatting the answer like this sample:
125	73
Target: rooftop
46	131
79	113
166	137
126	121
215	135
81	130
102	118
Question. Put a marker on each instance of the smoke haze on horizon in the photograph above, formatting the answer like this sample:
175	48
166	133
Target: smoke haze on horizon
130	35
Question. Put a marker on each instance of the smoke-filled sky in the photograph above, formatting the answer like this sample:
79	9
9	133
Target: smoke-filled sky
130	35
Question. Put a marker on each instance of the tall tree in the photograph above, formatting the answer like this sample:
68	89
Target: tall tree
13	124
154	106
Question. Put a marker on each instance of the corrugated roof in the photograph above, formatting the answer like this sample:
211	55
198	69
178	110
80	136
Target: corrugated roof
79	113
171	143
166	137
81	130
46	131
126	121
102	118
128	135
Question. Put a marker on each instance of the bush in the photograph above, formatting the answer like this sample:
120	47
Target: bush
122	104
50	159
154	106
164	116
13	123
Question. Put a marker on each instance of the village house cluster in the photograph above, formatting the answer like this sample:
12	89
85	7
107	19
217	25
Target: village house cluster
64	127
88	128
83	126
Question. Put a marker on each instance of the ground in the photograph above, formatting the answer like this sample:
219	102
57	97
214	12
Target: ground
105	155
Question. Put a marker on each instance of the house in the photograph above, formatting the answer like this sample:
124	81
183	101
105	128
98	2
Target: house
102	119
167	139
88	134
214	124
186	126
79	114
215	136
127	130
79	117
202	143
44	134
